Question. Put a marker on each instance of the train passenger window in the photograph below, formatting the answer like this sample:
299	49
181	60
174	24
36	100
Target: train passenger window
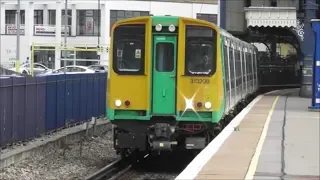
200	52
248	66
128	49
225	51
164	57
231	63
238	67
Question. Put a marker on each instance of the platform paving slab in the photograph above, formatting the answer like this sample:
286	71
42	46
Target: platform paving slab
291	149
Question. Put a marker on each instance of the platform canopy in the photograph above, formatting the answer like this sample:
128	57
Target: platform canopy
271	17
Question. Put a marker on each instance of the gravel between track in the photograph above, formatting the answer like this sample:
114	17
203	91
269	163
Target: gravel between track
52	164
134	175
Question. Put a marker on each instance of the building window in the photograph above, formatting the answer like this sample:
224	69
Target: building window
45	57
11	16
273	3
38	17
78	57
117	15
52	17
208	17
88	22
248	3
69	15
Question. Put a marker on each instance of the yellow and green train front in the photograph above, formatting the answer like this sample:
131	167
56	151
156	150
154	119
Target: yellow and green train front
165	83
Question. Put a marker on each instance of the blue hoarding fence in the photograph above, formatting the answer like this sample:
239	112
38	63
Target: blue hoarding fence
316	67
33	106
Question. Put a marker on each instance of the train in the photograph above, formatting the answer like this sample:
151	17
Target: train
175	82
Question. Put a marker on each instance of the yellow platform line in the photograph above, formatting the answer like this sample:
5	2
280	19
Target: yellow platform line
254	161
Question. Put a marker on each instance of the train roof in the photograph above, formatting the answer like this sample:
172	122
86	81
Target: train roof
230	36
222	31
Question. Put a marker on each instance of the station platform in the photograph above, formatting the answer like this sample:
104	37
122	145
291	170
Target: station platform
274	137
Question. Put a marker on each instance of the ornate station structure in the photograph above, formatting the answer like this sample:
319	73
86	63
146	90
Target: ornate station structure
272	22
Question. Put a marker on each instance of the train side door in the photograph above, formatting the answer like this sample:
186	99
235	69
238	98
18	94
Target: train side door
164	75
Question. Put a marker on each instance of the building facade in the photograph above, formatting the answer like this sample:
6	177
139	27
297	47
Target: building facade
43	22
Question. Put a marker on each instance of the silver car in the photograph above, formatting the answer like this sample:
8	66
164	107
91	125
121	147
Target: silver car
72	70
37	69
99	68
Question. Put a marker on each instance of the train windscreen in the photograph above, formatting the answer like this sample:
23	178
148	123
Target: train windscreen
128	49
200	53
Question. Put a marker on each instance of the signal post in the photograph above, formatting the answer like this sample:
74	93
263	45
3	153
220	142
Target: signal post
315	23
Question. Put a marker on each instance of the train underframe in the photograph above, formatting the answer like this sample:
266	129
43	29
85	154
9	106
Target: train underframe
163	134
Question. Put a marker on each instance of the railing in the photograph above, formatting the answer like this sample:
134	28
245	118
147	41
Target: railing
31	107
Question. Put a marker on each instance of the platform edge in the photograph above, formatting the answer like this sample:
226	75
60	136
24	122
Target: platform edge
196	165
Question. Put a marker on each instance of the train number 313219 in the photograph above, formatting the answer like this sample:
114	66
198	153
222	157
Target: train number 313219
200	81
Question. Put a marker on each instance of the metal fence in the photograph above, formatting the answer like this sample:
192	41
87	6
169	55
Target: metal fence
33	106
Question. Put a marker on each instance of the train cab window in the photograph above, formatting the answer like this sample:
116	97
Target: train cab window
128	49
200	53
165	57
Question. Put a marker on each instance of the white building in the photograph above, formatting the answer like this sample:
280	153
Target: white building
42	21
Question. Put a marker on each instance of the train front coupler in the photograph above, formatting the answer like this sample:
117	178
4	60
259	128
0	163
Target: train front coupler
162	137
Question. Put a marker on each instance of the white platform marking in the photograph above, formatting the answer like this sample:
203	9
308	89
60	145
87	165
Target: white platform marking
255	159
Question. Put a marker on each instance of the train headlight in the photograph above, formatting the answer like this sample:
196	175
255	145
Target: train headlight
207	105
118	103
172	28
158	27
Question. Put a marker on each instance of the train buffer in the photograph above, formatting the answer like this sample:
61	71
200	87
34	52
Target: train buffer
277	138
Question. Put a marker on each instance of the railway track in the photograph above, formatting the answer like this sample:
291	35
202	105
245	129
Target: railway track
112	171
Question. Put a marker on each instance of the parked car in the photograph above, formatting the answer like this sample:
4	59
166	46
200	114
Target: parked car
99	68
37	69
72	70
9	73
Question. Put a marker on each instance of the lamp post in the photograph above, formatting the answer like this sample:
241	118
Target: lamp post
1	70
99	21
315	23
65	34
18	34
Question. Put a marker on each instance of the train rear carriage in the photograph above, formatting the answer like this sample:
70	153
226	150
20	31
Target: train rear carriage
240	70
167	85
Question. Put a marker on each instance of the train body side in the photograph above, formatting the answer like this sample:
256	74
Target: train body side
240	70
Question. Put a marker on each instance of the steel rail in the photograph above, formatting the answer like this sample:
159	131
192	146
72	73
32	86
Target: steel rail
121	173
105	170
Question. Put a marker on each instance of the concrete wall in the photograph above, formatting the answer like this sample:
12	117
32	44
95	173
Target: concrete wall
235	17
281	3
